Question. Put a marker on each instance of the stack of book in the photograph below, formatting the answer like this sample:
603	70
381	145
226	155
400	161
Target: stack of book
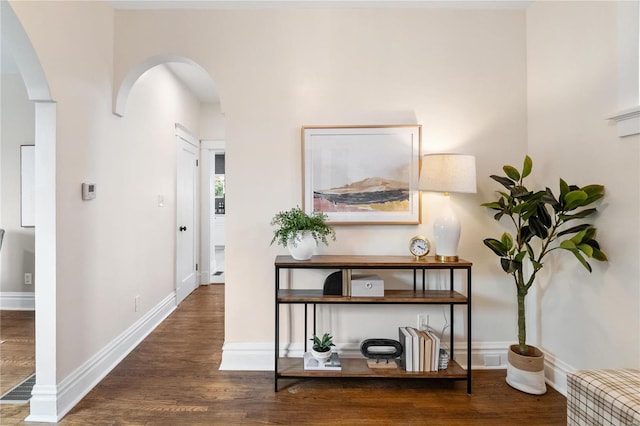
332	364
420	350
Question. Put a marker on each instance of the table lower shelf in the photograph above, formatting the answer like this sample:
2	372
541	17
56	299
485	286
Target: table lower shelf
357	367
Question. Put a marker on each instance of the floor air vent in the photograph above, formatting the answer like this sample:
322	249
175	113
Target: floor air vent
21	393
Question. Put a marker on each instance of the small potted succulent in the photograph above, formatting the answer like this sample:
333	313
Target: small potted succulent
300	232
321	349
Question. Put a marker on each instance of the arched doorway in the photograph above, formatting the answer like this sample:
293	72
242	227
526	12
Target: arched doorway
201	84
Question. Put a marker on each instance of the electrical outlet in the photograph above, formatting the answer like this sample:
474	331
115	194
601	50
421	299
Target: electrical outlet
423	321
28	278
136	303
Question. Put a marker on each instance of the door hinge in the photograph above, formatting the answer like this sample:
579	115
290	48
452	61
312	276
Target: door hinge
196	163
196	266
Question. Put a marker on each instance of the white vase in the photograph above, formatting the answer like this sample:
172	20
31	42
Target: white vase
302	246
526	372
321	356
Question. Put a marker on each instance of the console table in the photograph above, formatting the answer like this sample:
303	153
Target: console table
352	367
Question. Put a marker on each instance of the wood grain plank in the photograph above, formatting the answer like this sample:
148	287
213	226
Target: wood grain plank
17	352
368	262
390	297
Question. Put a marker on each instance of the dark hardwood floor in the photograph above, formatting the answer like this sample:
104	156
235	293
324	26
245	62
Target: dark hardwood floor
17	352
172	378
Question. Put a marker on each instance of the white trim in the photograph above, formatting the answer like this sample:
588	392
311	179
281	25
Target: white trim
43	404
123	88
260	4
193	146
24	54
76	385
247	357
628	121
17	301
555	372
212	144
207	147
184	133
259	356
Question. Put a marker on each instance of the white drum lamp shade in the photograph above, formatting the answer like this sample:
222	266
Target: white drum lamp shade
448	173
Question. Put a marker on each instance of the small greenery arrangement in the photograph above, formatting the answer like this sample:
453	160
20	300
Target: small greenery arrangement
541	217
289	223
324	344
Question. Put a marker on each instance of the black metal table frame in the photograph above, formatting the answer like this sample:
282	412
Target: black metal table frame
415	268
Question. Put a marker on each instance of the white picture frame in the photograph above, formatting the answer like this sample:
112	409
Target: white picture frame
363	175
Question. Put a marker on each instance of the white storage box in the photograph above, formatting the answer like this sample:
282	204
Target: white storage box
367	286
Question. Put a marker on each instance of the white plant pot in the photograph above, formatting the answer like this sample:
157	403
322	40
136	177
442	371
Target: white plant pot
302	246
526	372
321	356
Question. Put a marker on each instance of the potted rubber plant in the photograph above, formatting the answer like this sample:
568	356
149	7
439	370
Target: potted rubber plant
541	223
300	232
321	349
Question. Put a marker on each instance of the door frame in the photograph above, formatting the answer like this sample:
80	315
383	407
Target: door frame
206	170
182	133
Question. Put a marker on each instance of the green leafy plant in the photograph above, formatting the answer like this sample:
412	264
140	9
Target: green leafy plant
219	187
289	223
324	344
540	219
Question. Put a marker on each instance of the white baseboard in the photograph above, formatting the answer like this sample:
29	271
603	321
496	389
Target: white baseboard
555	372
259	356
76	385
17	301
247	357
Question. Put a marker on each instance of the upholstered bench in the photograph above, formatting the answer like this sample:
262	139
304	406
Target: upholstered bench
603	397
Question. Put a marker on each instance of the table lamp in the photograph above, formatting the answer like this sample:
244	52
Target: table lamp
448	173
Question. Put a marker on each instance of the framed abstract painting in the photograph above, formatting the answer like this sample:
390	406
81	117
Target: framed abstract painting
362	175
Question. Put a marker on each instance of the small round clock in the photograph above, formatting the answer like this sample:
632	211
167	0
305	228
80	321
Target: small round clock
419	246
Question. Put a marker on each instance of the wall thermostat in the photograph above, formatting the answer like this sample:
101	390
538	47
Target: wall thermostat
88	191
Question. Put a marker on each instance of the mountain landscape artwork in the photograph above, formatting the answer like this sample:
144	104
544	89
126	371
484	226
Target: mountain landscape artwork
362	174
374	193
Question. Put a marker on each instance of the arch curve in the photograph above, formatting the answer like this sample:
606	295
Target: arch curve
121	97
24	55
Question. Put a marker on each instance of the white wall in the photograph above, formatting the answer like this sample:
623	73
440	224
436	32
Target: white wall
121	244
461	74
18	127
211	122
586	320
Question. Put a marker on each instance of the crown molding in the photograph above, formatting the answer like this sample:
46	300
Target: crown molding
318	4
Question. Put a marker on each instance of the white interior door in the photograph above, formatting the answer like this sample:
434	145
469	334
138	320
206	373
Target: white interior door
186	211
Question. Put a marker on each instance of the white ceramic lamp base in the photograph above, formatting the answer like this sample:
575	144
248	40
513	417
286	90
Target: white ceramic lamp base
446	230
